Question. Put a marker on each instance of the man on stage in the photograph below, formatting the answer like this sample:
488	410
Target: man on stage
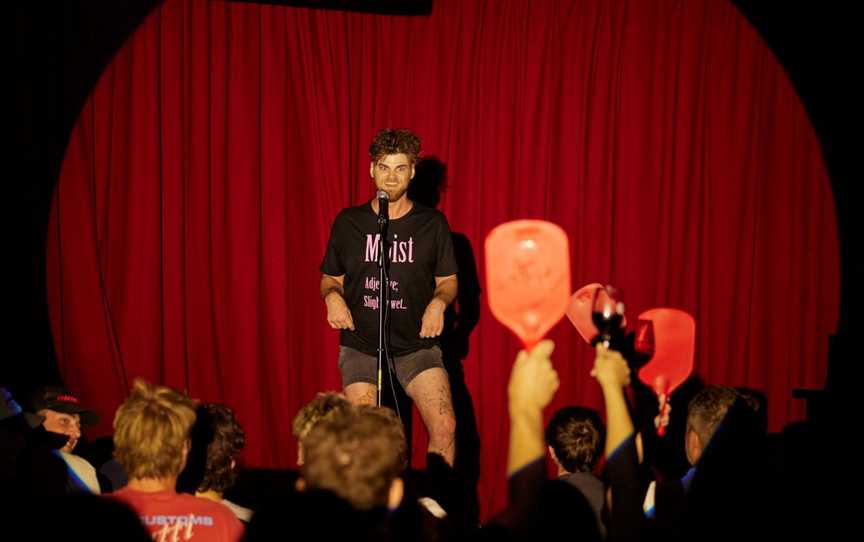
422	276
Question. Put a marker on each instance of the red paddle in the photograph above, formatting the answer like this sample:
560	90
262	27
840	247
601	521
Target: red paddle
673	346
579	311
528	273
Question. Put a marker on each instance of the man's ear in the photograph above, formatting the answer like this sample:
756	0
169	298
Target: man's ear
692	446
184	453
397	491
552	455
372	169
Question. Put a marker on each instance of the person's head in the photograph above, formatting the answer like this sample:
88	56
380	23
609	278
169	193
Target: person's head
62	413
314	411
358	454
704	414
389	423
151	431
225	439
393	155
758	403
574	436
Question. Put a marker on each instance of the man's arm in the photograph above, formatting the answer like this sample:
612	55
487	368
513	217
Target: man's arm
433	318
533	383
612	373
626	518
338	315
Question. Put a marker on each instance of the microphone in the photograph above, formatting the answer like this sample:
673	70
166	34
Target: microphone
383	202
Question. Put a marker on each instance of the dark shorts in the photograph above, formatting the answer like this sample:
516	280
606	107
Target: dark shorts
359	367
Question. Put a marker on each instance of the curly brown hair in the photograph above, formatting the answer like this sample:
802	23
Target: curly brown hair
393	425
355	454
321	406
576	436
390	141
227	439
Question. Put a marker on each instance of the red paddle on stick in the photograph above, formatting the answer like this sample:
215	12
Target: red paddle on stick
670	334
528	273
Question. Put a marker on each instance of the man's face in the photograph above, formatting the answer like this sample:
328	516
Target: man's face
392	173
65	424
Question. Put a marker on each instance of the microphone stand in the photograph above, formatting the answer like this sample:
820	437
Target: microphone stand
383	293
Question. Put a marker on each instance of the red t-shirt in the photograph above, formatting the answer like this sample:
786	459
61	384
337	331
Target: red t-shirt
175	517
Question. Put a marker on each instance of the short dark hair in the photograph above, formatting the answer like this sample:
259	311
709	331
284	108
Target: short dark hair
228	439
389	141
356	454
576	436
707	409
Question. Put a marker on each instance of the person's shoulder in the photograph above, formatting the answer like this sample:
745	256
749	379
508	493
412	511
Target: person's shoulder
242	513
123	493
584	480
425	213
77	461
221	515
199	502
199	505
355	210
420	209
354	215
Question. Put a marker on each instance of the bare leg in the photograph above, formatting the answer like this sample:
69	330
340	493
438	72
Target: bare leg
361	393
430	391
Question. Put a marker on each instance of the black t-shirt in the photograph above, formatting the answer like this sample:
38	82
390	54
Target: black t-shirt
419	249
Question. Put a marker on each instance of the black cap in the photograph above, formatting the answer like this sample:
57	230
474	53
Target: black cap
59	399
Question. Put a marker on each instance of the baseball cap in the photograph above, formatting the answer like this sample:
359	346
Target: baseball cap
59	399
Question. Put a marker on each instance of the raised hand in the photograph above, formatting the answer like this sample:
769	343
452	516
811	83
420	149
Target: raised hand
533	381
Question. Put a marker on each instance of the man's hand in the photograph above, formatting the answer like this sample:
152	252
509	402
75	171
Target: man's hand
338	315
661	420
433	319
533	381
610	368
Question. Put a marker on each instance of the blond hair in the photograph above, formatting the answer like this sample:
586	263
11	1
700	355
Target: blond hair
151	430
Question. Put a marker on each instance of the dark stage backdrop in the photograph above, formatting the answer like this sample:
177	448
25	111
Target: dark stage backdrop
200	182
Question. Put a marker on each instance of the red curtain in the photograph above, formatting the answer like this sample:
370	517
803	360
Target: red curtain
198	188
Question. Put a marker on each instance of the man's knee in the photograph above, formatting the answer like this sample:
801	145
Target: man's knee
444	424
361	393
